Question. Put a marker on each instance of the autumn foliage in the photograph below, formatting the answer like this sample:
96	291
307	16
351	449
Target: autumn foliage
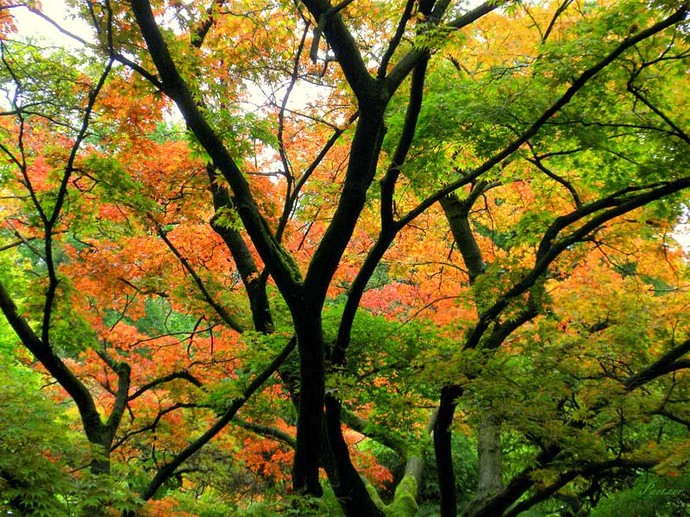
365	258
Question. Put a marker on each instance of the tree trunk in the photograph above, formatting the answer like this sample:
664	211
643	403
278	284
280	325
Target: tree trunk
305	471
443	450
346	482
490	456
254	281
493	506
457	214
100	441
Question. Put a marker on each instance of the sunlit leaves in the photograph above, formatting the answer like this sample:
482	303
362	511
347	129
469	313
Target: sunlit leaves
128	270
41	457
39	82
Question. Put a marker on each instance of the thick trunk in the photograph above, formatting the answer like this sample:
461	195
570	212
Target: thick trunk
347	485
100	459
518	485
305	472
443	450
306	310
405	500
99	466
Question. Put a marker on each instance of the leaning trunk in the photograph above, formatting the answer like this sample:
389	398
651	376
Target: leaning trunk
346	482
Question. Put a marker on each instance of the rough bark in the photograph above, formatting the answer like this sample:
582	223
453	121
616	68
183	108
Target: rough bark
490	462
490	455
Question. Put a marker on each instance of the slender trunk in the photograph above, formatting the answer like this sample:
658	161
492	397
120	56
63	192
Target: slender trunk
490	456
254	281
457	215
516	488
346	483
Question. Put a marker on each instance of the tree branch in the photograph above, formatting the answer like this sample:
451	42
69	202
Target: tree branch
227	318
577	85
183	374
281	265
265	431
167	470
343	44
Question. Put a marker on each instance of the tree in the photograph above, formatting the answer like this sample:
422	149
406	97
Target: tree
543	142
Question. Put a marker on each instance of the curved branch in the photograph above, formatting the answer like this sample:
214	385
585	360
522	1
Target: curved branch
201	30
577	85
667	363
549	250
281	265
227	318
167	470
301	181
265	431
343	44
676	128
561	9
184	374
537	161
566	477
412	58
153	424
44	354
287	168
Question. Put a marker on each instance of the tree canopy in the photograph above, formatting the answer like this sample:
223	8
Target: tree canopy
376	257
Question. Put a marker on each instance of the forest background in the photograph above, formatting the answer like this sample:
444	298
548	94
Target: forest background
371	258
